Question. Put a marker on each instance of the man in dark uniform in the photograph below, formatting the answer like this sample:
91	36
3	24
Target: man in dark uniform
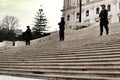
61	29
28	35
103	20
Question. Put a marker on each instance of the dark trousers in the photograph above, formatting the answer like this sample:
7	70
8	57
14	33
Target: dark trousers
27	42
105	25
61	35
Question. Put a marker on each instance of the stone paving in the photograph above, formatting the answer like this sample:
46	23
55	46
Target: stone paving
84	55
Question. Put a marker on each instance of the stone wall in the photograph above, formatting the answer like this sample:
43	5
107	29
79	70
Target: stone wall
114	13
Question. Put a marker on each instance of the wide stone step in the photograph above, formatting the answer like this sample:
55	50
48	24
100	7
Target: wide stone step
58	55
74	72
96	46
89	45
90	49
65	61
77	54
83	51
64	64
79	68
80	51
55	52
64	54
101	44
71	50
61	76
62	57
99	50
65	67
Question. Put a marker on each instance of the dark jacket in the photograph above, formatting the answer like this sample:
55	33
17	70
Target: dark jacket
28	34
104	15
61	25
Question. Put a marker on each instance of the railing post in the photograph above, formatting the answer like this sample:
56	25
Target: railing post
80	10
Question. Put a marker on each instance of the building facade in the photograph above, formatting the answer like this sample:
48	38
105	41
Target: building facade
90	12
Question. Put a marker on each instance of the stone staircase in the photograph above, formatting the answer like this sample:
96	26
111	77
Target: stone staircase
77	58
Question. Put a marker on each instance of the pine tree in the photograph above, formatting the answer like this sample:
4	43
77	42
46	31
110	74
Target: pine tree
40	22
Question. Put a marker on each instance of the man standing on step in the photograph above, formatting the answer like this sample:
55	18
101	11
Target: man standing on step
103	20
61	29
28	35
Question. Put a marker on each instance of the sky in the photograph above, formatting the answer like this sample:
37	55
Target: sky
25	11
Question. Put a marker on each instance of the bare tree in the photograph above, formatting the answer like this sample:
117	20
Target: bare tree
10	22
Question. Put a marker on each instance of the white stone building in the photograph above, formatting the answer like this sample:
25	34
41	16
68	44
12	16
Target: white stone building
90	12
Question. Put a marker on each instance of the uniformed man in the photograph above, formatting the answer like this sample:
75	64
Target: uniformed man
28	35
103	20
61	29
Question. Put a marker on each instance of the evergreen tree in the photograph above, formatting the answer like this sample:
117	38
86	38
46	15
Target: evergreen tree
40	22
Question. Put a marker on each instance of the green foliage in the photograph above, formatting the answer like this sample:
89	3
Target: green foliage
7	35
36	35
40	23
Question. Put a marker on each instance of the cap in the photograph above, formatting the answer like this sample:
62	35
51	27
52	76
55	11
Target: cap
103	5
62	17
27	26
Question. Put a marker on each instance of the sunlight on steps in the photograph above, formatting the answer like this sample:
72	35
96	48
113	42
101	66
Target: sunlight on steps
15	78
